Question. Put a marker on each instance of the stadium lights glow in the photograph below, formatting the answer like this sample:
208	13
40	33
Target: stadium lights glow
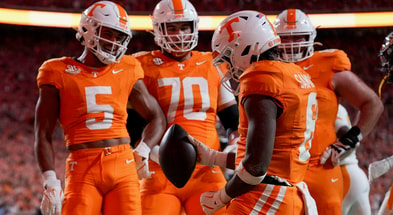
207	23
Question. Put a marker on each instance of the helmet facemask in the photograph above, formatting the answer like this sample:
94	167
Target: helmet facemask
386	58
230	79
295	51
182	42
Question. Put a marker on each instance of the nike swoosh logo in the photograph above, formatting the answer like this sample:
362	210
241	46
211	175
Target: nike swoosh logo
200	63
117	71
128	161
307	67
334	180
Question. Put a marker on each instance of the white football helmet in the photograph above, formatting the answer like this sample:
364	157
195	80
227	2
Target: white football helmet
293	22
386	57
104	14
169	11
239	40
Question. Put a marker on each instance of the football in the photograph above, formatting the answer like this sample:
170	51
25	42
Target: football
177	155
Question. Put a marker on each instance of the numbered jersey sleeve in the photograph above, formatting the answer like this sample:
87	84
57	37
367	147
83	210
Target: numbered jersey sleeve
294	92
93	102
188	92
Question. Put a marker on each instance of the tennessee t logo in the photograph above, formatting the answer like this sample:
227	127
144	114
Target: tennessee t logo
94	7
228	26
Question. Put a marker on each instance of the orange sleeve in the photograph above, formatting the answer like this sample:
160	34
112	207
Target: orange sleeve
341	61
47	75
263	79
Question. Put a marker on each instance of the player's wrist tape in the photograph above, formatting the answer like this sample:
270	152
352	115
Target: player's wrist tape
154	154
220	159
352	137
246	177
49	175
224	197
143	149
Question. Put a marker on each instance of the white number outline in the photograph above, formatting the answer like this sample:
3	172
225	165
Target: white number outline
185	87
311	117
93	107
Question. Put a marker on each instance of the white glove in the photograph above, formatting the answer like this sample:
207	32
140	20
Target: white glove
214	201
378	168
53	196
337	151
141	154
208	156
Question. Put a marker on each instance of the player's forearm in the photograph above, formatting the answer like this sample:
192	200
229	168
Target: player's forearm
153	131
369	116
45	155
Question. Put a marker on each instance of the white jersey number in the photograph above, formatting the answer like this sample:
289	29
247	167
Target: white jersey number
311	117
186	87
93	107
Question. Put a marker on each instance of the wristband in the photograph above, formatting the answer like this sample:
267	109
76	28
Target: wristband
352	137
246	177
49	175
143	149
154	154
221	159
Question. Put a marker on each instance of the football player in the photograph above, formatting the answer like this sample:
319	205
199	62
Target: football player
330	70
187	87
277	113
88	95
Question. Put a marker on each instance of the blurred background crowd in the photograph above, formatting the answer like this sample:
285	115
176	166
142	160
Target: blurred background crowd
23	49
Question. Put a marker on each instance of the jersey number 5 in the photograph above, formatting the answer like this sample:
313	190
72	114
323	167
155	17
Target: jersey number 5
93	107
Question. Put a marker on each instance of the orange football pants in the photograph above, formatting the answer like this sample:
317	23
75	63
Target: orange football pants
161	197
102	181
268	199
325	184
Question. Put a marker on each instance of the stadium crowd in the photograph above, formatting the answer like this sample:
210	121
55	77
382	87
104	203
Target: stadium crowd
25	48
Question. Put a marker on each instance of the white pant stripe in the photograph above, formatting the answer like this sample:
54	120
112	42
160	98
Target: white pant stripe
263	198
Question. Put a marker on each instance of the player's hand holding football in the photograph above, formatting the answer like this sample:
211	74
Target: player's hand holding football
208	156
141	155
53	196
339	150
214	201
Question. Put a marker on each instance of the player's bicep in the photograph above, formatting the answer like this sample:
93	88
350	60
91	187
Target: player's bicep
47	111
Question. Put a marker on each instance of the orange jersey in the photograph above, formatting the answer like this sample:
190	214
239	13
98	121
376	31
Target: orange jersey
321	67
293	89
187	92
93	102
